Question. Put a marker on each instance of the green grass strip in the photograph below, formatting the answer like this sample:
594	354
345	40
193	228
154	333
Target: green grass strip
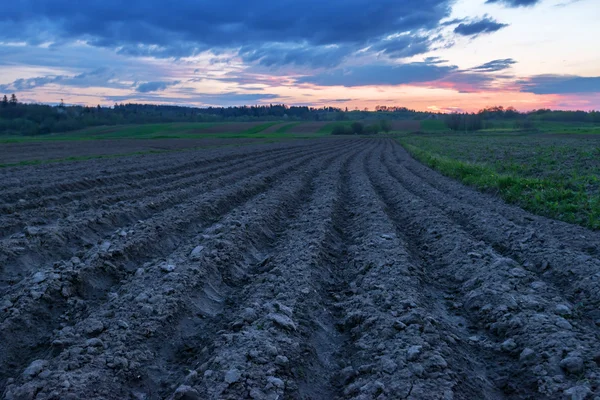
286	128
562	200
433	125
259	128
327	129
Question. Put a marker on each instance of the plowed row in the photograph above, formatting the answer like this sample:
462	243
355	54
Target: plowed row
316	270
13	153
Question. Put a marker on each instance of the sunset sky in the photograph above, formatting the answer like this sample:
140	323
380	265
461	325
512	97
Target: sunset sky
434	55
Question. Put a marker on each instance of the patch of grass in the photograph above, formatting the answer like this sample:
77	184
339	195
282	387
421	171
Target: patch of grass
433	125
286	128
163	131
145	131
568	127
259	128
328	128
557	178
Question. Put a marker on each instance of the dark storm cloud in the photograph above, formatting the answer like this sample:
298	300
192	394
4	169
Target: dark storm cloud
433	73
176	29
478	27
277	54
175	50
380	75
560	84
514	3
495	65
154	86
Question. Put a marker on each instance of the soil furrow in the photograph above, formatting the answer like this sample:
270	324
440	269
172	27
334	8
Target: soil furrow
36	178
84	231
399	344
556	356
139	190
271	325
165	296
33	316
326	269
572	271
509	217
86	188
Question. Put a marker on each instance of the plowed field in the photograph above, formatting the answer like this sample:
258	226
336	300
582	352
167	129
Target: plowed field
327	269
11	153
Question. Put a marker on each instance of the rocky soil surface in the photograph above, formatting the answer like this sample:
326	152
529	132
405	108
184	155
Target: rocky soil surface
325	269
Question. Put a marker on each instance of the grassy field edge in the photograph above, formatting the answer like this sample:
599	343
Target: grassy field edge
549	198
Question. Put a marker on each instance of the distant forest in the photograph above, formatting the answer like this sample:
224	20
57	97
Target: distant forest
18	118
495	117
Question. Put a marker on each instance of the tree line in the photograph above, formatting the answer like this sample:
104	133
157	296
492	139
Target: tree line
359	128
491	117
18	118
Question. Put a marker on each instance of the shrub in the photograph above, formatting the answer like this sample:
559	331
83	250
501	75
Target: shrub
372	129
385	125
341	130
357	128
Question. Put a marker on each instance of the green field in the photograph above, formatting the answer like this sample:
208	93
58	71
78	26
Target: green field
165	131
433	125
287	127
554	176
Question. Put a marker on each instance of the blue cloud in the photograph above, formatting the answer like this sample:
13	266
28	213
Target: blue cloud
207	99
380	75
560	84
277	54
403	46
101	77
177	29
466	82
154	86
495	65
514	3
478	27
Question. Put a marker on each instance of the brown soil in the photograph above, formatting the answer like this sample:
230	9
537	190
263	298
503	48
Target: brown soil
321	269
406	125
273	129
308	127
11	153
229	127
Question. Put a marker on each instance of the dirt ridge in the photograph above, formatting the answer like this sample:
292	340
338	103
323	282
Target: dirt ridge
330	269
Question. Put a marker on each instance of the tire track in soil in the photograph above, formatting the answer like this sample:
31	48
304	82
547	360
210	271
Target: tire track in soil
553	357
572	271
87	229
171	304
140	191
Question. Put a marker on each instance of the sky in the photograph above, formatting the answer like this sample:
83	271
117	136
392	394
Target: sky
428	55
